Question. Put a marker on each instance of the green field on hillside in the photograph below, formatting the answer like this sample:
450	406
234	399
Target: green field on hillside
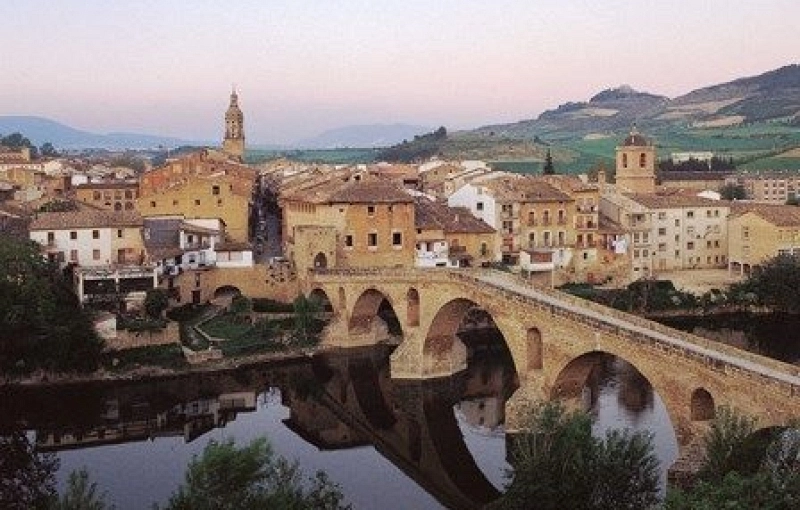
325	156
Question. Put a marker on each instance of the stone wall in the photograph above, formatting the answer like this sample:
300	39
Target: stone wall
125	339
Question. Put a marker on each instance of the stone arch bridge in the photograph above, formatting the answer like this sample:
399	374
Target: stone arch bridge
554	339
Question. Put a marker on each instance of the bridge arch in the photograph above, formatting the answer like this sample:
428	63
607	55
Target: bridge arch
321	297
374	313
575	375
444	351
702	405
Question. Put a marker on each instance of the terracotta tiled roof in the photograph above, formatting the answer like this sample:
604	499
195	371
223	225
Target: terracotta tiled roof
525	189
371	191
452	220
656	201
86	219
778	214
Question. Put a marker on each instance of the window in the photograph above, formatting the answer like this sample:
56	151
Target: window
215	190
508	227
745	232
690	214
152	203
96	254
479	206
120	233
642	160
348	241
624	161
174	202
662	231
690	245
484	250
677	223
97	196
197	201
128	194
372	240
397	239
371	210
662	246
73	255
95	234
708	244
73	235
662	215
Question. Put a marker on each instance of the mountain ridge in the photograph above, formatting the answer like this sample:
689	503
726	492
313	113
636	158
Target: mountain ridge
773	95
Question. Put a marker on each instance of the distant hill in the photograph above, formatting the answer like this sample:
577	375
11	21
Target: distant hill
772	96
363	136
40	130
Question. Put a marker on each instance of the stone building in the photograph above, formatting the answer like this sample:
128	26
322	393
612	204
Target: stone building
201	185
636	164
358	223
686	232
233	142
450	236
759	232
109	195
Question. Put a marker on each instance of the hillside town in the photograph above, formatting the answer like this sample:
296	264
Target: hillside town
196	215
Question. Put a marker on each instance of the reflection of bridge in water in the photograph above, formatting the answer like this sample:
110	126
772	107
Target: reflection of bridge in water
338	400
555	341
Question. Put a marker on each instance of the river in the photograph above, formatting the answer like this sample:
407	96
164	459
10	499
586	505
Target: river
387	444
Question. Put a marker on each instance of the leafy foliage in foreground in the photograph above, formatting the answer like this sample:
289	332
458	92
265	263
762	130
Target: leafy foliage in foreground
226	477
559	464
41	322
743	469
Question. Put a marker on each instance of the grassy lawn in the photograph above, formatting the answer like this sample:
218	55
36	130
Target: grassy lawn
226	326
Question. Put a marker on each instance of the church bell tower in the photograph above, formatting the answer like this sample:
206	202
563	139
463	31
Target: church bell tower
233	143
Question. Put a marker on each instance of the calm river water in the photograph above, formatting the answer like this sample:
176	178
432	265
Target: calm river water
387	444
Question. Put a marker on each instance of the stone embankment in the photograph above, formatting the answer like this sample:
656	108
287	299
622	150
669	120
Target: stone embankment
144	372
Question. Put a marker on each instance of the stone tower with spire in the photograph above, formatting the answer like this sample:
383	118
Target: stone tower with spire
233	143
636	164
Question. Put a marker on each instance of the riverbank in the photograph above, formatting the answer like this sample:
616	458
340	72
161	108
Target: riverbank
148	372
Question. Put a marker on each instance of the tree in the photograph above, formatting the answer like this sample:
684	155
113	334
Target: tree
776	284
744	470
155	302
27	478
732	191
47	150
81	494
226	477
306	319
548	168
559	464
41	321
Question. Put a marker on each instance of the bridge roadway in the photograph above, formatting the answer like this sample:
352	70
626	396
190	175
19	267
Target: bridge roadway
555	341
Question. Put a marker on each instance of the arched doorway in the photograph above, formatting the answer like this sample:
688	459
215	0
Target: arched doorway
320	261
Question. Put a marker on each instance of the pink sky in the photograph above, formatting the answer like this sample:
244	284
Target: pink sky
303	66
